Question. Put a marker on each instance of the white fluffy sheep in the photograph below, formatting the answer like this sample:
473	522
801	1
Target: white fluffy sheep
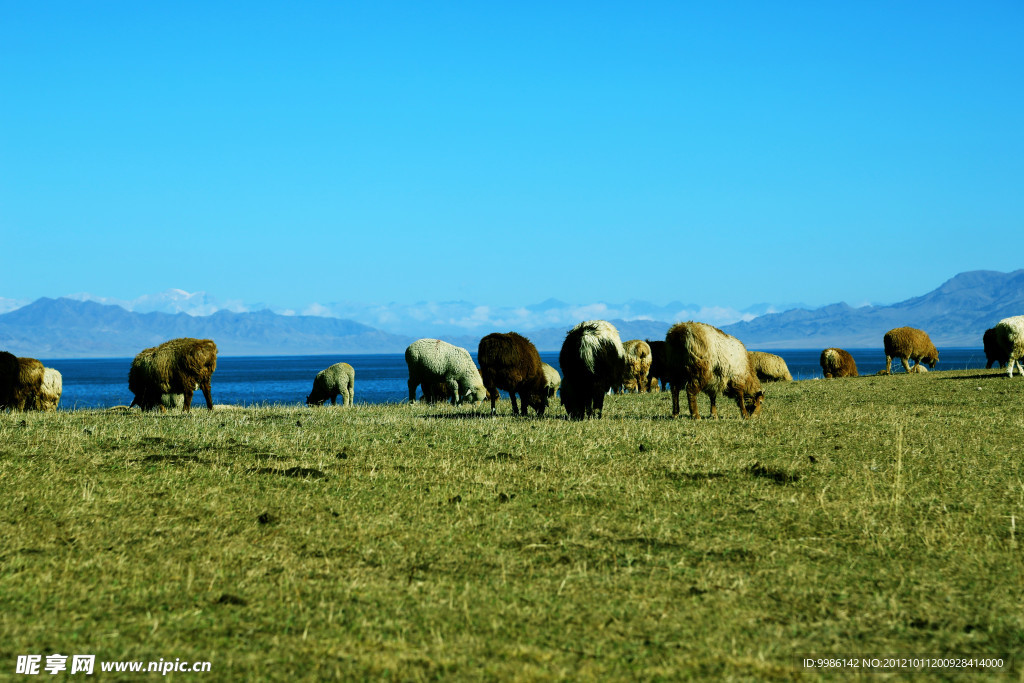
552	377
433	360
1010	338
339	378
50	391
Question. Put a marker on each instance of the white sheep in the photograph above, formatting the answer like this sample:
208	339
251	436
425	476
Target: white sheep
339	378
552	377
50	391
433	360
1010	338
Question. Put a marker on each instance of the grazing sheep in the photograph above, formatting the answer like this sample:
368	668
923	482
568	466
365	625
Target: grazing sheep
339	378
908	343
552	378
510	361
658	366
50	391
21	380
178	366
993	352
431	361
704	359
769	367
837	363
592	361
638	364
1010	338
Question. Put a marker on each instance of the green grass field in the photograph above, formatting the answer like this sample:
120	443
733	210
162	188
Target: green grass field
857	517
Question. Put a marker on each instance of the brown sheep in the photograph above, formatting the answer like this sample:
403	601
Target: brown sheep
638	365
704	359
657	364
21	381
837	363
510	361
592	361
908	343
993	350
177	366
769	367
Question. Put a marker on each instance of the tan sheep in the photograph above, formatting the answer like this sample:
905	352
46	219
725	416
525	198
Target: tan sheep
909	343
638	364
49	393
769	367
702	358
21	380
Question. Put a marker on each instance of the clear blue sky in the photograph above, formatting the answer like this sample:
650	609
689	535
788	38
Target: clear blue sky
721	153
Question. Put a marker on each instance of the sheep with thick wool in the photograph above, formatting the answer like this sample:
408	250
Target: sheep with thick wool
509	361
1010	339
21	380
551	378
50	391
837	363
178	366
592	361
769	367
638	365
431	361
908	344
336	379
703	358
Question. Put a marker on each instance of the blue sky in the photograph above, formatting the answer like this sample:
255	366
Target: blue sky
295	154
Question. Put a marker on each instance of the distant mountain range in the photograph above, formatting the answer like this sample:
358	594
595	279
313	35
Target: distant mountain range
955	314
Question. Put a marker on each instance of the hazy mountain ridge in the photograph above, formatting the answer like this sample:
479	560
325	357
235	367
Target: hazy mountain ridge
954	314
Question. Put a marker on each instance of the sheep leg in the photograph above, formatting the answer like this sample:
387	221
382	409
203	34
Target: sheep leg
207	395
888	364
493	393
713	397
599	403
515	407
906	365
454	387
691	398
675	400
741	404
187	406
334	399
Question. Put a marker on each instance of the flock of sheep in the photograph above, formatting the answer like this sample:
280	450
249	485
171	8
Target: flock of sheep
594	361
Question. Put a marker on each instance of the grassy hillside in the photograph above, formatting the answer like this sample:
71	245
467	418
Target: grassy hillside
871	516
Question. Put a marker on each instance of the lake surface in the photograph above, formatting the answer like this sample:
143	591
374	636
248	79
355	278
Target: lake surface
380	378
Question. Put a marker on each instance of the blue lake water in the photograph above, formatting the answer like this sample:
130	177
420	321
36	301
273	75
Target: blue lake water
380	378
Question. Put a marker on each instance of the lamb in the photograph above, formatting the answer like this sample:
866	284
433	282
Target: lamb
21	380
704	359
339	378
638	364
837	363
510	361
1010	339
592	361
908	343
769	367
433	360
49	393
436	392
552	377
993	352
177	366
657	370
